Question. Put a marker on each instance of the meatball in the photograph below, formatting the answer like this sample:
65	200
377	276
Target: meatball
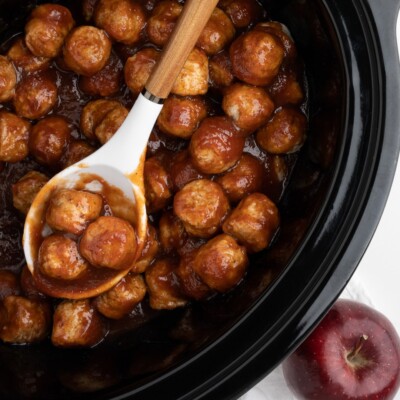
77	151
47	28
181	116
202	206
218	32
72	210
110	123
256	57
280	31
190	283
59	258
138	68
23	58
123	20
14	137
286	89
120	300
284	133
76	323
149	251
109	242
246	177
249	107
9	285
162	21
25	190
8	79
221	263
49	139
183	171
243	13
253	222
163	286
157	184
172	232
86	50
93	113
193	78
106	82
35	96
26	320
216	145
220	70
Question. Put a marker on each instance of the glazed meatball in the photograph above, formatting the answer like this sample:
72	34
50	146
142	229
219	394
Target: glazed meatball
35	96
106	82
72	210
122	298
280	31
253	222
220	70
23	58
47	28
59	258
218	32
249	107
162	21
193	78
93	113
172	232
181	116
25	190
77	151
157	184
202	206
9	285
110	123
256	57
149	251
123	20
86	50
284	133
216	145
49	139
221	263
8	79
109	242
190	283
76	323
243	13
246	177
138	68
183	171
14	137
26	321
163	287
286	89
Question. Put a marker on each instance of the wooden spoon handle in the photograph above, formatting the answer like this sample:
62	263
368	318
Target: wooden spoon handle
191	22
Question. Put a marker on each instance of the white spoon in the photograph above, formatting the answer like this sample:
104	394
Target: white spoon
118	165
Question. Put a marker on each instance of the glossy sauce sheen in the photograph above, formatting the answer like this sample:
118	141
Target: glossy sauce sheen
70	103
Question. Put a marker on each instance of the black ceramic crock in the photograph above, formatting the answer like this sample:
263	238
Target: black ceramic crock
330	211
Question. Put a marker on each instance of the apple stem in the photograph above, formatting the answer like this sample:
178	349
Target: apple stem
356	349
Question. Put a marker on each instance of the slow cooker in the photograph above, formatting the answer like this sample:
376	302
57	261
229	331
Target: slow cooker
330	210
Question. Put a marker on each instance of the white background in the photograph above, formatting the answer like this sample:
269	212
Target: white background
376	281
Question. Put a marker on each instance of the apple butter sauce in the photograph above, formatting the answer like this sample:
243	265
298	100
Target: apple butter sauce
277	168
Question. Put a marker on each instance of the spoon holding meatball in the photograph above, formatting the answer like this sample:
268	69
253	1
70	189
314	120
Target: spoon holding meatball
110	243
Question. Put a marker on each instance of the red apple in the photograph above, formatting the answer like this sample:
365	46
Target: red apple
353	354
